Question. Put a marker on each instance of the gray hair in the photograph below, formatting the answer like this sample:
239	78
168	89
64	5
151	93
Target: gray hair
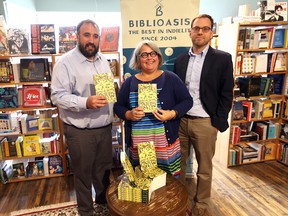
135	59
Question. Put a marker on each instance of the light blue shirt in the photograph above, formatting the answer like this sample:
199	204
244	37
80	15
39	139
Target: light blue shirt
192	82
72	83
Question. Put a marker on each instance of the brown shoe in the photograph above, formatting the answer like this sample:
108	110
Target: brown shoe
198	211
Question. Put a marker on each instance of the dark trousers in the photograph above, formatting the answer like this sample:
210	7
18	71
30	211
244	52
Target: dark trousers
91	156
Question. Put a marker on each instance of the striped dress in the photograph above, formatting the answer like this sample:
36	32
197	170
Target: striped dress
151	129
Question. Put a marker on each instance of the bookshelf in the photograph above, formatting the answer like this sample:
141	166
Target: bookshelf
259	114
43	121
34	124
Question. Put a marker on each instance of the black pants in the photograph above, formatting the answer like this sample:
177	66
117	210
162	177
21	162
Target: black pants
91	155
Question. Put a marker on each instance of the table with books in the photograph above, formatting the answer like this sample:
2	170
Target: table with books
171	200
146	190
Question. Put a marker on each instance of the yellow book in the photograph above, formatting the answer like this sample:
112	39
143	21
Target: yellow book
267	109
270	151
18	146
31	145
104	85
147	97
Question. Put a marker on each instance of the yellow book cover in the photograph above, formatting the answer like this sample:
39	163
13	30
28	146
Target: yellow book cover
104	85
267	109
147	97
31	145
45	124
18	146
127	167
270	151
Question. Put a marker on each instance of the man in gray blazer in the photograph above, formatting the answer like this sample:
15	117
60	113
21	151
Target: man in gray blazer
208	75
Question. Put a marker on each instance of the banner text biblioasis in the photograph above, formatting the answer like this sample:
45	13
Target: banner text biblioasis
159	31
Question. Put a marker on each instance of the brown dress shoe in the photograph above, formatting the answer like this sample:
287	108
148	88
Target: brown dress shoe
198	211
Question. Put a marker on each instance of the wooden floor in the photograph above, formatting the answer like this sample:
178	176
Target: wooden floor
254	189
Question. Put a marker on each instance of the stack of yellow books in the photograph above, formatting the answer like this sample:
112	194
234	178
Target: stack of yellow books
137	185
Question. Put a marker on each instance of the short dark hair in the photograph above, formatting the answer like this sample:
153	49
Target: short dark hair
84	22
203	16
278	7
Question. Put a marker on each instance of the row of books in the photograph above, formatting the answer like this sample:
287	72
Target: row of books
19	122
28	70
283	153
246	132
252	86
34	70
263	38
256	109
251	152
43	39
32	167
35	95
29	145
249	63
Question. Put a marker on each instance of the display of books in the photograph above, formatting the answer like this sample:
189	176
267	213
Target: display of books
138	185
104	85
67	38
33	95
31	145
43	38
6	71
5	123
4	49
35	168
109	39
34	69
8	97
18	170
45	124
147	97
6	171
18	41
55	164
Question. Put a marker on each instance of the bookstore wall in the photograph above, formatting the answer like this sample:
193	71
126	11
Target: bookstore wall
259	116
32	145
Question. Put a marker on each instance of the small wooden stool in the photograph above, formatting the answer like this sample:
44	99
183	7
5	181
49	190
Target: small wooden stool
170	200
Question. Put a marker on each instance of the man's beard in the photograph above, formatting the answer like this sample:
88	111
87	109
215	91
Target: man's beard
87	52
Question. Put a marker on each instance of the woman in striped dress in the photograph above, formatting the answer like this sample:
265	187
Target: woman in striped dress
160	126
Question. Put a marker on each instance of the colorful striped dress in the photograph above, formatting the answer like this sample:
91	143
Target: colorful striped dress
151	129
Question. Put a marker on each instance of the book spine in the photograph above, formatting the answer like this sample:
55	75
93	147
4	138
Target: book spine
6	148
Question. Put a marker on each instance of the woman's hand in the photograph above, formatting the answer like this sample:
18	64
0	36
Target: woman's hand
135	114
164	115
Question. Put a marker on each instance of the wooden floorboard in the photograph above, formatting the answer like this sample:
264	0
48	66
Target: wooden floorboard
259	189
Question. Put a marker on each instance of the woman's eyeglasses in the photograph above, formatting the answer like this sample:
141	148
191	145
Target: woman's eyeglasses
145	54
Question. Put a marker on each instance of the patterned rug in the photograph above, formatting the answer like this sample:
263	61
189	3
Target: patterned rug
63	209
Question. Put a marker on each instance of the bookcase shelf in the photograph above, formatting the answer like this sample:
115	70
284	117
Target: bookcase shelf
113	58
51	138
257	118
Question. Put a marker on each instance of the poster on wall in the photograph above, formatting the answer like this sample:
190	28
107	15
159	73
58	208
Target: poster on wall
164	22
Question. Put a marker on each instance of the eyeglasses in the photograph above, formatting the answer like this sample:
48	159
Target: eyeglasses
145	54
205	29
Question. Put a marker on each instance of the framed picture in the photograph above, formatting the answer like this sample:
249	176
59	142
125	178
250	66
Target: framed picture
45	124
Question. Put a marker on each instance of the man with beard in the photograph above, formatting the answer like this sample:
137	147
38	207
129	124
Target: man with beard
86	117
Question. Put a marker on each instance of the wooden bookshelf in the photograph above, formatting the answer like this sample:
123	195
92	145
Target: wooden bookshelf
240	40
